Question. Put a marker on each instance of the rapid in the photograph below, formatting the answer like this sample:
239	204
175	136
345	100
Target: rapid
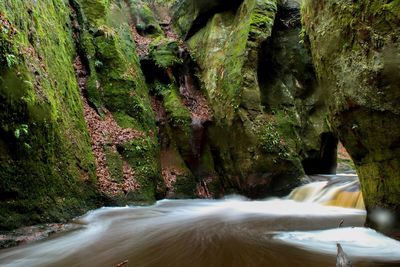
301	229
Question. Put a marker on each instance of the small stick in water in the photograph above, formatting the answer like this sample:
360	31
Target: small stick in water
342	259
122	263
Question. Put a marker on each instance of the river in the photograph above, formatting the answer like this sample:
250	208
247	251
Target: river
299	230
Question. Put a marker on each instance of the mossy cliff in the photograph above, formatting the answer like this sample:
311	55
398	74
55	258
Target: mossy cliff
47	168
116	84
356	50
48	159
263	103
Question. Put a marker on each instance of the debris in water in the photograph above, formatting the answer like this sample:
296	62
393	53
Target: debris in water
122	263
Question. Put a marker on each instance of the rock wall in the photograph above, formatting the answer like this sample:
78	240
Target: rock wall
47	168
77	126
259	81
127	164
356	50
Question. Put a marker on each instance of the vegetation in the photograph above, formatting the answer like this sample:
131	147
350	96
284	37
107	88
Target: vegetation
118	102
46	163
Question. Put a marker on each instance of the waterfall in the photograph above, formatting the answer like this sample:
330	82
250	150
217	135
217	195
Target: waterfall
336	190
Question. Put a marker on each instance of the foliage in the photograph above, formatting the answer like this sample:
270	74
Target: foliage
23	129
11	60
271	140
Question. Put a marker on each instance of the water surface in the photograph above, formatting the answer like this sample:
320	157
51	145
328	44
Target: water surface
229	232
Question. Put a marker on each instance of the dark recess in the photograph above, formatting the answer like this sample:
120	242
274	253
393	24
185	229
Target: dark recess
285	61
207	13
323	161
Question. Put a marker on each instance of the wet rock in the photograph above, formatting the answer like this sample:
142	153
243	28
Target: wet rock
259	83
33	233
356	51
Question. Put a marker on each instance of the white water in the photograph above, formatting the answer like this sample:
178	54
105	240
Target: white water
229	232
356	242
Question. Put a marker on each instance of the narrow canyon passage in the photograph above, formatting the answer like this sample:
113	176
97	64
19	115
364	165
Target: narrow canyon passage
199	133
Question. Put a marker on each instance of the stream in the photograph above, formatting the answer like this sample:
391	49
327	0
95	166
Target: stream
299	230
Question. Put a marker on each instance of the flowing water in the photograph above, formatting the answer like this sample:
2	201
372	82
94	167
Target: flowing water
229	232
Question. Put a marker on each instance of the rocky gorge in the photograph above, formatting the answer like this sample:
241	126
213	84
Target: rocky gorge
112	102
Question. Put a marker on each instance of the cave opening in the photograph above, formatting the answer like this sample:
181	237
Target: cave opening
324	160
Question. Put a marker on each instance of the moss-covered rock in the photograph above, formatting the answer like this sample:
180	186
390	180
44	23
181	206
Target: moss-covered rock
46	163
178	178
144	18
143	156
191	15
164	53
115	164
117	83
176	149
252	148
355	47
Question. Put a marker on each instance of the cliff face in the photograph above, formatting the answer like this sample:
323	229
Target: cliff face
356	50
248	146
125	147
46	165
69	67
260	83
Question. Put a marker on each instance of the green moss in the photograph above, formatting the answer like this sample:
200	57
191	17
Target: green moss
227	51
372	175
211	49
142	156
246	143
272	141
356	48
179	119
165	53
178	114
117	83
114	164
145	18
126	121
122	82
116	80
93	93
47	166
95	10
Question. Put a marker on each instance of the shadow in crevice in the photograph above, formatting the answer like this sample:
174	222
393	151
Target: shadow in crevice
324	160
285	68
207	11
